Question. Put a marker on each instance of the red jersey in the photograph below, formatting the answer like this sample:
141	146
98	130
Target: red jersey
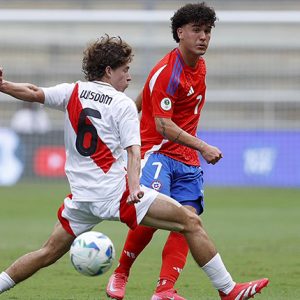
177	91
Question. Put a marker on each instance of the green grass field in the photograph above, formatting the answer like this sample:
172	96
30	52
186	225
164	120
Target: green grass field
256	231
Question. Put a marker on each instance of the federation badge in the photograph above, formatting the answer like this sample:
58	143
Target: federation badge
166	104
156	185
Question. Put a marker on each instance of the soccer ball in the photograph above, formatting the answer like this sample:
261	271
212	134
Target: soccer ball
92	253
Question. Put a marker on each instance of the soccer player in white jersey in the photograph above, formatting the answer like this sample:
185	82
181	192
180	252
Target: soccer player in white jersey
101	121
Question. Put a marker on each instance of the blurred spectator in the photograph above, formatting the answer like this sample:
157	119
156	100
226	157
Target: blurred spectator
31	119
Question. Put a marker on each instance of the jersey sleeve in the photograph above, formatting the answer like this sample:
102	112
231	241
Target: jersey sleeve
58	96
128	123
163	94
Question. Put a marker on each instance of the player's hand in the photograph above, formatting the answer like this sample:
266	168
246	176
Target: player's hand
135	197
211	154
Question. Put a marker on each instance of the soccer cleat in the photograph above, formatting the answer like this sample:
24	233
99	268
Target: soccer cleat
170	294
244	291
116	286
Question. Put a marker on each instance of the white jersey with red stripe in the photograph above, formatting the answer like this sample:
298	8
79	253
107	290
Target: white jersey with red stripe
100	122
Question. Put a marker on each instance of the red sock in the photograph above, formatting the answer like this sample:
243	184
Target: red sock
173	261
135	243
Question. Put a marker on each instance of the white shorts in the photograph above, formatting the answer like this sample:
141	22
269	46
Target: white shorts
77	216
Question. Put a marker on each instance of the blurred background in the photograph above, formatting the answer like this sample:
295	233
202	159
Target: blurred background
252	110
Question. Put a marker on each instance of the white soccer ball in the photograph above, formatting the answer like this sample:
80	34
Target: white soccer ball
92	253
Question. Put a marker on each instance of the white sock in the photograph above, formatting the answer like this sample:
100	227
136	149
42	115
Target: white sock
218	275
6	282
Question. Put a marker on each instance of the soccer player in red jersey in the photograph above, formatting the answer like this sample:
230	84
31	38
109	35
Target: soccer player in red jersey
172	100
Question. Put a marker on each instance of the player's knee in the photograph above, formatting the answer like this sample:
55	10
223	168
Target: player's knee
196	222
193	223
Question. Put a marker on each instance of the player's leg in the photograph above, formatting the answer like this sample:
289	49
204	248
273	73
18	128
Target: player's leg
187	183
75	218
54	248
135	243
155	175
174	257
166	213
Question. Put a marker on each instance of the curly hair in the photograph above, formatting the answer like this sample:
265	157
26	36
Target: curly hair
106	51
198	13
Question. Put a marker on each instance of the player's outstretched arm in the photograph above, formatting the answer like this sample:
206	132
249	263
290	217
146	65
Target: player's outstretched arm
22	91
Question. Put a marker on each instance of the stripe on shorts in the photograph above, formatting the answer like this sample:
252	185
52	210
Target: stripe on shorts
64	222
127	211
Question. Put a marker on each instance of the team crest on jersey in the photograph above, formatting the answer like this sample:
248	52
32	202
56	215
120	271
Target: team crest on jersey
166	104
156	185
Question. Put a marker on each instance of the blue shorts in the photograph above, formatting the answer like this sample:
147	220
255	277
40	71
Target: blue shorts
182	182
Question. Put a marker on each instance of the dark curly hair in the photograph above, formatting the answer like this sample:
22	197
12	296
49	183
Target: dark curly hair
106	51
198	13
